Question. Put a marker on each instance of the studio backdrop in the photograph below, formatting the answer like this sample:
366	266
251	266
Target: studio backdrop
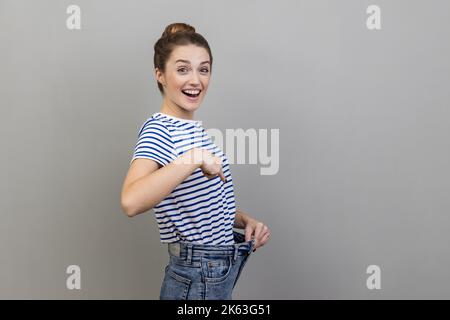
334	116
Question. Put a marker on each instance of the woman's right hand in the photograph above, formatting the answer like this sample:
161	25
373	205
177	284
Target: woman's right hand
211	165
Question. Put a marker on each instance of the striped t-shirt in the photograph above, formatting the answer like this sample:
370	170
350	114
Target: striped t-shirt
199	210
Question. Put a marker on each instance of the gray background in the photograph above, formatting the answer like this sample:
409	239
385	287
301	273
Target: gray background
364	152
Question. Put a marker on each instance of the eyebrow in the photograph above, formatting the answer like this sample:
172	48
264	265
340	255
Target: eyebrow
186	61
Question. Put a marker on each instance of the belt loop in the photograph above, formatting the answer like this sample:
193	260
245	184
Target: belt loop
189	253
236	251
252	246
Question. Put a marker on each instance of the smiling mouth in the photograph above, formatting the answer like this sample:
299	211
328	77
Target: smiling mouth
190	94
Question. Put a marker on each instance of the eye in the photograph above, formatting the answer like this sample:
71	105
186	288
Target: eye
184	69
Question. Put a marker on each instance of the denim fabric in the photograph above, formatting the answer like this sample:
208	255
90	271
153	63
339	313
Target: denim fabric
204	272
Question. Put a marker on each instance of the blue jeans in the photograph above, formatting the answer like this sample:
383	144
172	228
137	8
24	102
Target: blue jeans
204	272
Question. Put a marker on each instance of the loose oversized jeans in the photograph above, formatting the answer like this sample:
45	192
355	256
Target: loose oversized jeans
204	272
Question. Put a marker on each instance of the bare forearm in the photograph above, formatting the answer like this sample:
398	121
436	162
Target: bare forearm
148	191
241	219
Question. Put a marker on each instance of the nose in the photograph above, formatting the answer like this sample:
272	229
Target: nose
194	81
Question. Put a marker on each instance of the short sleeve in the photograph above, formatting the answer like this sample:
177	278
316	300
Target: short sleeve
155	143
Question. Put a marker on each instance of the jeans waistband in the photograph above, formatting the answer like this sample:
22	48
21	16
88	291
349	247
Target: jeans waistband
188	250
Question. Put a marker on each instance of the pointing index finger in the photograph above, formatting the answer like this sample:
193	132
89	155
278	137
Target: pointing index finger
222	176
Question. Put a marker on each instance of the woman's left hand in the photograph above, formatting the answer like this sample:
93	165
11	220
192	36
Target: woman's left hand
258	230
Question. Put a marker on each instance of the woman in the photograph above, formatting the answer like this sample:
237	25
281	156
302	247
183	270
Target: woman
186	179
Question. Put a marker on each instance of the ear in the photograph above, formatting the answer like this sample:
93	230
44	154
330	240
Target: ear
159	76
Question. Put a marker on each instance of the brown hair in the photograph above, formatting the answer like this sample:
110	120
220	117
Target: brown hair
176	34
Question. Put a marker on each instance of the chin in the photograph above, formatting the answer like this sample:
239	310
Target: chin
190	107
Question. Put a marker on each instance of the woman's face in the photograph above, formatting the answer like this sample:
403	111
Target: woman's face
188	68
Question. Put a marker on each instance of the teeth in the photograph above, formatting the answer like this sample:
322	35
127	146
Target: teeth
192	91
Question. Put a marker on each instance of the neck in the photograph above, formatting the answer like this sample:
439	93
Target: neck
174	110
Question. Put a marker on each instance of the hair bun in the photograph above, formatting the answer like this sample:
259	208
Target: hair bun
177	27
